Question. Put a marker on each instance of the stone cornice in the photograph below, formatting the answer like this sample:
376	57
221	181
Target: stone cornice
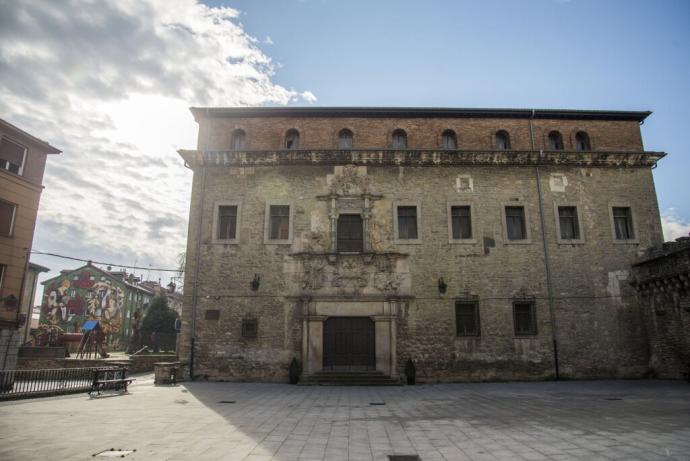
417	112
420	158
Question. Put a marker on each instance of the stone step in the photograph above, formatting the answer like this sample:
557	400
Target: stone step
355	378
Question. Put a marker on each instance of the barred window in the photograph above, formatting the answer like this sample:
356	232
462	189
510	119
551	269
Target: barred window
279	217
227	222
466	318
350	233
461	222
568	222
250	328
407	222
524	318
623	223
515	223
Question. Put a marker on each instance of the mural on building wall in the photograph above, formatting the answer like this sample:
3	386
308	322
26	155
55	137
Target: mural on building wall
85	294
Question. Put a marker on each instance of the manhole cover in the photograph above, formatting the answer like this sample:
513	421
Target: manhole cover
378	403
404	458
227	401
114	453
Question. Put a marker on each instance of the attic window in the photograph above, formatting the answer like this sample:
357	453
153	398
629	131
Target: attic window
582	142
502	140
238	139
292	139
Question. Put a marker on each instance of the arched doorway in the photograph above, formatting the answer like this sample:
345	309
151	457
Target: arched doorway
348	344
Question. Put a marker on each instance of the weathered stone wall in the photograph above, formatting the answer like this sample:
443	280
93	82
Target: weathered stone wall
599	328
662	279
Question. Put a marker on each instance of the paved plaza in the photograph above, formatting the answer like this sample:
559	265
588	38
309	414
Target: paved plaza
242	421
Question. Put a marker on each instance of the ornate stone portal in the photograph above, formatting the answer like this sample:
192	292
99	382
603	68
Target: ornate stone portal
327	283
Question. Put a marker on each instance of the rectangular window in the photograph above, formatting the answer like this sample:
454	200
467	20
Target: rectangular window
515	223
350	233
7	215
11	156
3	268
279	222
250	328
568	222
524	318
461	217
407	222
623	223
466	318
227	222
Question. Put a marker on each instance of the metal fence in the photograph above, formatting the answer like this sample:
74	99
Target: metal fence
22	384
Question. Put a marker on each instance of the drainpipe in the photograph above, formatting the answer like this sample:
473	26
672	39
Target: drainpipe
197	259
547	266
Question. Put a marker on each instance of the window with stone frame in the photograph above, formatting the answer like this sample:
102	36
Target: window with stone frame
524	318
11	156
407	222
449	140
227	222
350	233
345	139
279	222
399	139
250	328
623	223
516	228
466	318
8	213
568	223
461	221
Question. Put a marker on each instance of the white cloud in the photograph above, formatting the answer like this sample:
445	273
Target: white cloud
268	40
110	83
673	225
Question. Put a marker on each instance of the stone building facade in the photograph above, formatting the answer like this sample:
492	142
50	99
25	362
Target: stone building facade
662	280
480	243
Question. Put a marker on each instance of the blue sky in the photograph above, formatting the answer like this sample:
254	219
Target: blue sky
582	54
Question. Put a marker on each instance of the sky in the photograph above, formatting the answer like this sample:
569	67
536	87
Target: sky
110	83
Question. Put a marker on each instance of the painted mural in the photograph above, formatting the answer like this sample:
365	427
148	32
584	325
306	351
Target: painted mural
84	294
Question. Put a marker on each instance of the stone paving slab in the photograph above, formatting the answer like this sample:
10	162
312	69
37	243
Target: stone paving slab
592	420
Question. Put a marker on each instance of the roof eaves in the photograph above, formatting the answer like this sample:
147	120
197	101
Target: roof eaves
417	112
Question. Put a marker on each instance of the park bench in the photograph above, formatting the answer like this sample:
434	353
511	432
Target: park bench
109	379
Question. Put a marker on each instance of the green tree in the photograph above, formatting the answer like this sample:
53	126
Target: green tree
158	326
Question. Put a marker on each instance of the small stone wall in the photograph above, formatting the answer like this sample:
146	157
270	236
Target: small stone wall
144	362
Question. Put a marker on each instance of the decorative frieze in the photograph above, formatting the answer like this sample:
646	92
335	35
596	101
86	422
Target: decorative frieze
413	157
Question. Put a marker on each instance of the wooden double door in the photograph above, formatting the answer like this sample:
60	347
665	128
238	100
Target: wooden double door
348	344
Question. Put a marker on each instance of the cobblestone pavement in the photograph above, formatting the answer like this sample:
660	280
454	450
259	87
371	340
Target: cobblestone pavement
513	421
